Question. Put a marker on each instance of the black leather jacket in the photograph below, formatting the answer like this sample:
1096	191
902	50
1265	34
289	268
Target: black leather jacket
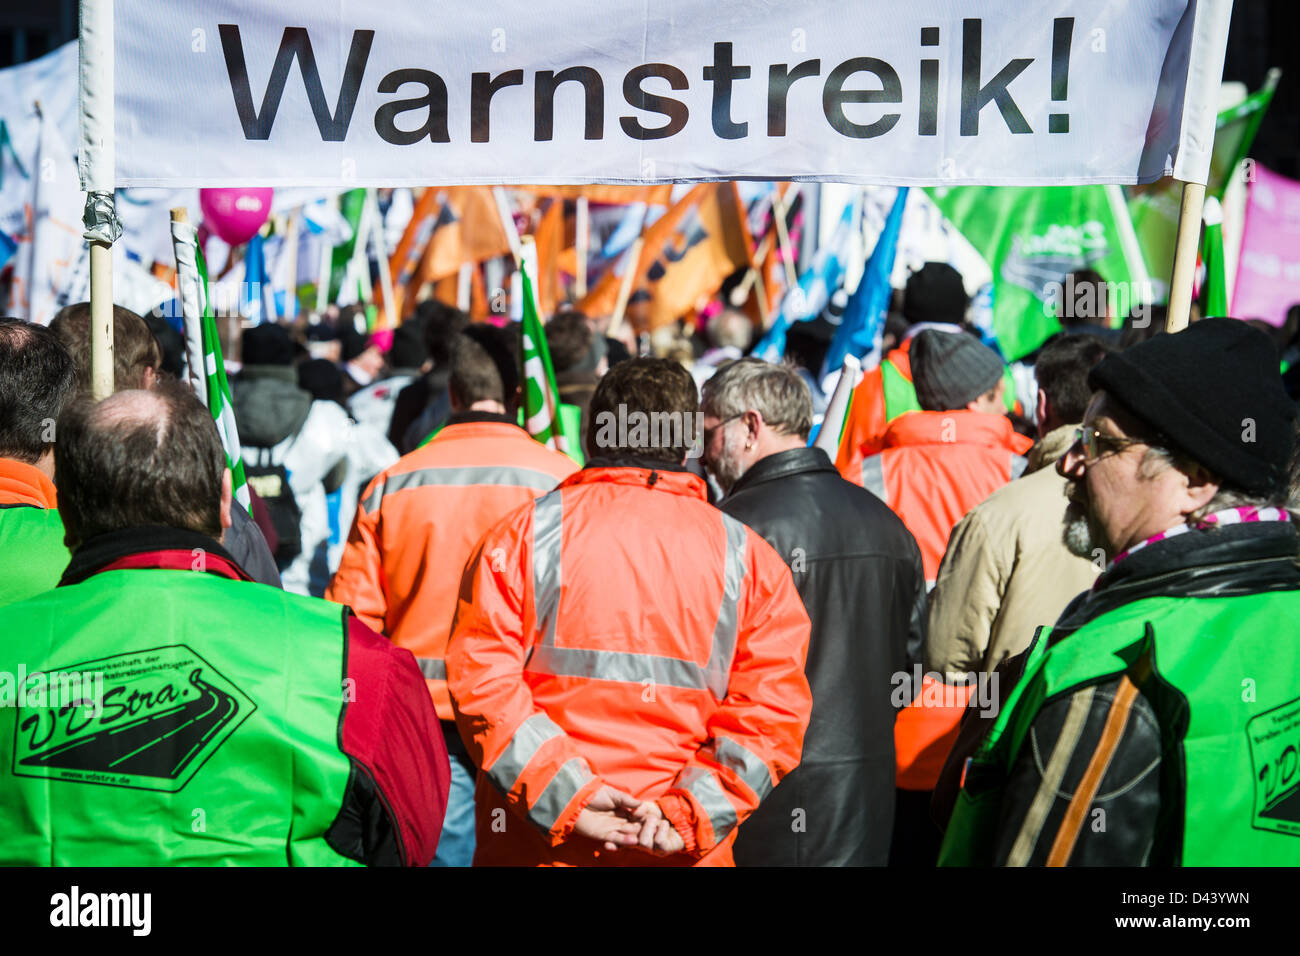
859	572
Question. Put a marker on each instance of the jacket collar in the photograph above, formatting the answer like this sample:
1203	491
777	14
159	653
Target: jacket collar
794	461
24	484
151	546
1051	447
1217	562
631	470
480	418
955	427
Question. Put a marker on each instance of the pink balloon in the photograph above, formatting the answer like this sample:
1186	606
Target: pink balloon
235	214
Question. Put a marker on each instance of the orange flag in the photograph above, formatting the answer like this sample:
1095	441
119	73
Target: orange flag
406	257
660	195
550	243
685	257
466	229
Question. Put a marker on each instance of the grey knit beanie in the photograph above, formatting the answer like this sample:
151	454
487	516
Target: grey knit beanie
950	369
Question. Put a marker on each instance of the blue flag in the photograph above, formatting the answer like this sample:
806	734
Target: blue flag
864	316
7	248
814	288
258	299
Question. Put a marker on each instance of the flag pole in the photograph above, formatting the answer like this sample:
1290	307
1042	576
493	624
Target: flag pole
828	437
1189	235
291	266
97	161
783	239
625	288
508	223
187	284
582	239
385	274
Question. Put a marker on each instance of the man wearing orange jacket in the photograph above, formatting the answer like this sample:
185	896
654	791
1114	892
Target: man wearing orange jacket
627	662
418	523
935	298
938	464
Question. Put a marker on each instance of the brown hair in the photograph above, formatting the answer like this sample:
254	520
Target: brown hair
134	345
139	458
474	376
659	396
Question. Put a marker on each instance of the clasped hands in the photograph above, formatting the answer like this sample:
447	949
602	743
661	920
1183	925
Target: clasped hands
620	820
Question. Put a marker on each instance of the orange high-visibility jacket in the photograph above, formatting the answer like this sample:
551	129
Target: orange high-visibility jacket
864	431
418	523
633	635
935	467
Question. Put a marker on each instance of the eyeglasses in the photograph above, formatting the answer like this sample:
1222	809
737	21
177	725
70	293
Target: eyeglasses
1097	444
709	432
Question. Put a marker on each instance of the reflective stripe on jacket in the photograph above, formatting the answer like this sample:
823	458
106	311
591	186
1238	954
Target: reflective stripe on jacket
626	633
418	523
936	466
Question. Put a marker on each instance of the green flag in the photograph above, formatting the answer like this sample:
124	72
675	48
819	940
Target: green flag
1216	280
1154	208
541	396
351	204
218	388
1032	237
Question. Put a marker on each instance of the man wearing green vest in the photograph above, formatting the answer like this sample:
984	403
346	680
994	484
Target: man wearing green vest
161	708
1158	722
37	380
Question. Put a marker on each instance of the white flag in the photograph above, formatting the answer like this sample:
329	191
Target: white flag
50	266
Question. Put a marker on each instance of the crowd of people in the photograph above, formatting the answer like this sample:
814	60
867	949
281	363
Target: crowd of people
1041	615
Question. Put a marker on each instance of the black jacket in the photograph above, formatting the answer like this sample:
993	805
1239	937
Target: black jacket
859	572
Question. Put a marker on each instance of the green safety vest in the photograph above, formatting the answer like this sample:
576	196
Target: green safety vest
1240	745
900	394
213	737
32	554
571	429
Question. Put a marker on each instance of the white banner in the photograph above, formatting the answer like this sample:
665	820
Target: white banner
928	92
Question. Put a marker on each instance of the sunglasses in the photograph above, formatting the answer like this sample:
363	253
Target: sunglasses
1097	444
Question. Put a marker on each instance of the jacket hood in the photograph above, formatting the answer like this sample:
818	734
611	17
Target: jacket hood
269	405
955	427
1051	447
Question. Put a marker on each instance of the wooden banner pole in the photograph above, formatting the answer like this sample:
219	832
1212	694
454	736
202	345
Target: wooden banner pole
1189	236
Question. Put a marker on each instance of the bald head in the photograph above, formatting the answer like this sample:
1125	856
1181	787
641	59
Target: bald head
133	409
139	458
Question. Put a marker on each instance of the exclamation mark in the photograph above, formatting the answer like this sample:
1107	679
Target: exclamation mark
1062	34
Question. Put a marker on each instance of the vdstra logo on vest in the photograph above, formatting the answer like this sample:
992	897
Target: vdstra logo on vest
1275	753
164	712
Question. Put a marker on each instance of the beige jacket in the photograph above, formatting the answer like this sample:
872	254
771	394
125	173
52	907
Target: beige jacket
1006	570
